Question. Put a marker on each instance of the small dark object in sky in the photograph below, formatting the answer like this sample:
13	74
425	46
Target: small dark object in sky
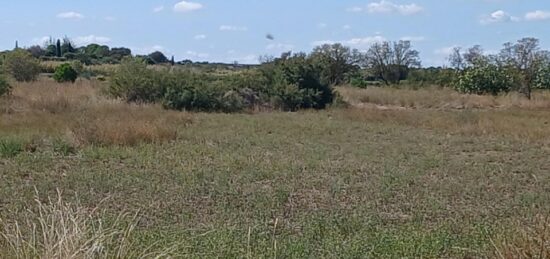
269	36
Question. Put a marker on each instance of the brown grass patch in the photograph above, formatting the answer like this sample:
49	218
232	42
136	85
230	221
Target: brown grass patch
440	98
531	240
519	124
46	108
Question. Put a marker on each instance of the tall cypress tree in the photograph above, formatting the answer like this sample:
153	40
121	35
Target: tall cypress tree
58	48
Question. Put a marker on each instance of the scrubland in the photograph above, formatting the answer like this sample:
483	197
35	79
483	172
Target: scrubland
399	173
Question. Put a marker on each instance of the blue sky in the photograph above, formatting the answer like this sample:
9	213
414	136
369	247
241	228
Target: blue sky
235	30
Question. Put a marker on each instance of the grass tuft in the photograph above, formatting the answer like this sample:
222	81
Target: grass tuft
60	230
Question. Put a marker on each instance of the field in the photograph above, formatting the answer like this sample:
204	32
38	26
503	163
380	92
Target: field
399	173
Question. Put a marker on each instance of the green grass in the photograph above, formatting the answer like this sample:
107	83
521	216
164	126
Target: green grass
308	184
10	147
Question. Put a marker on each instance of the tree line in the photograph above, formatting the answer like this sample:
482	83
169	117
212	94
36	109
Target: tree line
520	66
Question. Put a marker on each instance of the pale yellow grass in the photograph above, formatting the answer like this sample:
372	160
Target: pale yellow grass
517	124
59	230
439	98
80	113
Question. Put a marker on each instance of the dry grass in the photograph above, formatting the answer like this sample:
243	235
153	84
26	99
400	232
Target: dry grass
60	230
531	240
438	98
79	112
518	124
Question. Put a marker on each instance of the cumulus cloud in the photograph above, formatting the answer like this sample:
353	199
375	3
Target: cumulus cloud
85	40
233	28
537	15
388	7
70	15
185	7
498	16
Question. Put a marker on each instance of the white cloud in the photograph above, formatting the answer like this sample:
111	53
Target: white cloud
147	50
537	15
110	18
233	28
413	38
158	9
195	54
498	16
185	7
388	7
85	40
40	40
346	27
70	15
360	43
322	25
200	37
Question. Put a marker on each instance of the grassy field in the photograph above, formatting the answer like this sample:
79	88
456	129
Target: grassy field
379	179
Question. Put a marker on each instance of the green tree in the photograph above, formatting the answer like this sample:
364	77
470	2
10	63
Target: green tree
526	59
21	65
335	62
391	62
158	57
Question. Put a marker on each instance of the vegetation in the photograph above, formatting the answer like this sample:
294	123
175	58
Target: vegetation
390	181
379	157
288	83
5	86
65	73
21	65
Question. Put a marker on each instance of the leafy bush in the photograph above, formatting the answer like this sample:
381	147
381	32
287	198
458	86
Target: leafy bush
5	87
295	84
542	79
487	79
134	82
22	66
290	84
65	73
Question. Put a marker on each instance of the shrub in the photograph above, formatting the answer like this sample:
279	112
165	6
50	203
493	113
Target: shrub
65	73
296	84
487	79
22	66
542	79
134	82
5	87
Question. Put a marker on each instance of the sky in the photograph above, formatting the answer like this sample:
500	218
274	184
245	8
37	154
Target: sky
235	30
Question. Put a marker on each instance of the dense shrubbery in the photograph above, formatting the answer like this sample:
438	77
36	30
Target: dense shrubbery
21	65
289	83
65	73
488	79
5	87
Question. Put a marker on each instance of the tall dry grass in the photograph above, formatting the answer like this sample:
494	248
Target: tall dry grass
439	98
524	240
517	124
59	230
79	112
